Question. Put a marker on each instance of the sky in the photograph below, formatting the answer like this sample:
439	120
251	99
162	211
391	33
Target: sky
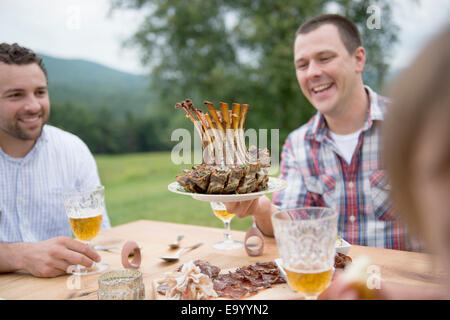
84	29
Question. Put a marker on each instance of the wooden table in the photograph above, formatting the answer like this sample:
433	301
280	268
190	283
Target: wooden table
396	266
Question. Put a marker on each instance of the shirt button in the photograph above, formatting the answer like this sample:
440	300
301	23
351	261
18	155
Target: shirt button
350	184
352	219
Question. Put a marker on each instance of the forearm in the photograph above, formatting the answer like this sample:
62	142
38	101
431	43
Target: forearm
263	213
10	256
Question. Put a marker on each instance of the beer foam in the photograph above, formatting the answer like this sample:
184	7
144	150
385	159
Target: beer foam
85	213
307	271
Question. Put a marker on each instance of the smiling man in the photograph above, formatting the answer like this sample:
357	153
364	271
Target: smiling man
334	160
37	162
21	123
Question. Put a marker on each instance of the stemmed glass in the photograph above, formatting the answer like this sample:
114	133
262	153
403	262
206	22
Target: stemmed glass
306	242
85	210
221	212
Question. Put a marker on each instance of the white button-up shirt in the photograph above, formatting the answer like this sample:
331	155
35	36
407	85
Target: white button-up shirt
31	206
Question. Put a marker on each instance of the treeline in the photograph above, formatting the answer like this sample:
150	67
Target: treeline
203	55
103	132
242	52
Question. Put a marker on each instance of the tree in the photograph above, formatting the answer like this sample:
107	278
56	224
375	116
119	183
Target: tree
242	51
78	120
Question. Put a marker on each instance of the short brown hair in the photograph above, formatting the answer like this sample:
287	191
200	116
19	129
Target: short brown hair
15	54
420	99
348	31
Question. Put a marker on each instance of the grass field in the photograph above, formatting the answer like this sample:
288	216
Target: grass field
136	188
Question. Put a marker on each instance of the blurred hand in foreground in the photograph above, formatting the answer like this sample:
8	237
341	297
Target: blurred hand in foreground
340	289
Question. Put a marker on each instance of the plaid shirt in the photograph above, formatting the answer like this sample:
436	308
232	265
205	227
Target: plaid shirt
318	176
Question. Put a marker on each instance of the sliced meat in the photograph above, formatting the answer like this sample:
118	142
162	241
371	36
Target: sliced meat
247	280
341	260
205	268
200	179
247	183
185	181
217	181
234	178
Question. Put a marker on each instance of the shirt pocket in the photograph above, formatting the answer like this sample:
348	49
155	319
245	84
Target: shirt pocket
323	185
380	194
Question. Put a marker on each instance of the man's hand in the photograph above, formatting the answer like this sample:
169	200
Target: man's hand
242	209
52	257
261	209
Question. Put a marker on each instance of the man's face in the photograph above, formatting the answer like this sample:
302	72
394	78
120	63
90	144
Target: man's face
24	101
326	72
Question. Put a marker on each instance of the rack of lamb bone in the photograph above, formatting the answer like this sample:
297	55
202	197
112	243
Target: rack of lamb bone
227	166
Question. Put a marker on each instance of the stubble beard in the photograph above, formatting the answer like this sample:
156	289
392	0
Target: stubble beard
27	134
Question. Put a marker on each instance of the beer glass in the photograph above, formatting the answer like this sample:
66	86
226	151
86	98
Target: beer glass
221	212
85	210
306	242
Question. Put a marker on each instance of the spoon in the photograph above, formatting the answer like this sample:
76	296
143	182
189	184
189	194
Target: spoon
176	244
101	248
176	256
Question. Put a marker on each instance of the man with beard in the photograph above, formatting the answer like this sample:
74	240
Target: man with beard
37	162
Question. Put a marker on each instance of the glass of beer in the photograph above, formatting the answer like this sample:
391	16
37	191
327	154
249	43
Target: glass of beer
306	242
221	212
85	210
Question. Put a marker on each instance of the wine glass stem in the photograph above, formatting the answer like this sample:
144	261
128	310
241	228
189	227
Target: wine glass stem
227	230
88	242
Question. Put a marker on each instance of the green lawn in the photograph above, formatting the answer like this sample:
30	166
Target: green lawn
136	188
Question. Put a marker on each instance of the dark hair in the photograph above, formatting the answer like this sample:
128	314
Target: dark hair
15	54
348	31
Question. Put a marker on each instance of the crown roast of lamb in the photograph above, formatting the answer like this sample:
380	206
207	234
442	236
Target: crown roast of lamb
227	166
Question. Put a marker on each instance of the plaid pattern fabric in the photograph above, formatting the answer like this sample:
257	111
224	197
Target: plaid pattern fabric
31	205
317	175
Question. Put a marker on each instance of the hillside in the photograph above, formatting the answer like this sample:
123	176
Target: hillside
93	85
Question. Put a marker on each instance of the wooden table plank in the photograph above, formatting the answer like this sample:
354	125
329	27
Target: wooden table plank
395	266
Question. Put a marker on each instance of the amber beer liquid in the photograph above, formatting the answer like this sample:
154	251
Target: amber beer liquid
86	228
309	282
223	214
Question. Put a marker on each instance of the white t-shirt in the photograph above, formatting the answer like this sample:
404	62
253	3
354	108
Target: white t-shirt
346	144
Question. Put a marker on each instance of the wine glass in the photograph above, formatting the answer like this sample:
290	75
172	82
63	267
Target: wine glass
221	212
85	210
306	242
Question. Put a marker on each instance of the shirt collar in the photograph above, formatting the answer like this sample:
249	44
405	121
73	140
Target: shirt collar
44	135
377	108
376	111
43	139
